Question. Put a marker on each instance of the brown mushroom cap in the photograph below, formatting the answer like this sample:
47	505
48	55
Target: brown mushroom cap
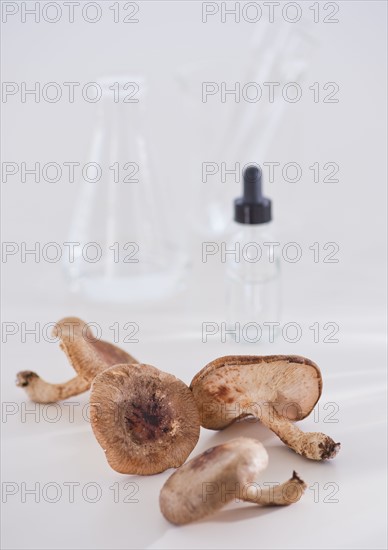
195	491
145	420
232	387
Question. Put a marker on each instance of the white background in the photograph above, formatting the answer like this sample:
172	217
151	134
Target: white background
351	293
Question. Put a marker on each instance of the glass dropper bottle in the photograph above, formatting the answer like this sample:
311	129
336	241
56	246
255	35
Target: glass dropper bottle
253	270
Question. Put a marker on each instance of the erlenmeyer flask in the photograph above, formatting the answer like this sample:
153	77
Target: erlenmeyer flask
127	251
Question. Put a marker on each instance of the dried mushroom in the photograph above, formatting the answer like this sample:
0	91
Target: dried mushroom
219	475
87	355
276	389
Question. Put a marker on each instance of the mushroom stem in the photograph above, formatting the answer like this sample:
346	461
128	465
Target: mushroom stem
278	495
40	391
313	445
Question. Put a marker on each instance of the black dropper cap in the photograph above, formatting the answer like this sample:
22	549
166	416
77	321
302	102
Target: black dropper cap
252	207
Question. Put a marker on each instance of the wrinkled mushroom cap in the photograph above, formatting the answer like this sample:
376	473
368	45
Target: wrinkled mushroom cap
207	482
232	387
145	420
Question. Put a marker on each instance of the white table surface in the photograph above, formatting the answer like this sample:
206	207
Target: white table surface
37	451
